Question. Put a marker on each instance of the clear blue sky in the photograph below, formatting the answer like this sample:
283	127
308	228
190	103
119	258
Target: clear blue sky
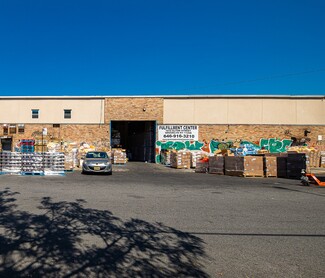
162	47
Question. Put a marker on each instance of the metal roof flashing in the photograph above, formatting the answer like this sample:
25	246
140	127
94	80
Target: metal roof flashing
164	96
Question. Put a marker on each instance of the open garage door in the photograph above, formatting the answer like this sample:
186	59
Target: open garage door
137	137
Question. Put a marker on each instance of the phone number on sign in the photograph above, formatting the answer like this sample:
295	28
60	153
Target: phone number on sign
178	136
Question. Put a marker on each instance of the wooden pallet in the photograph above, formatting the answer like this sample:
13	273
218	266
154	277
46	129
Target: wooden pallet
253	176
32	174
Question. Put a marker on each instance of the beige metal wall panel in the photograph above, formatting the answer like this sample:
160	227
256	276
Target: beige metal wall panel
213	111
311	111
245	111
179	111
84	111
195	111
210	111
280	111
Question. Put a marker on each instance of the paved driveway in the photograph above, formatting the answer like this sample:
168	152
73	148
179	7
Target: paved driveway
147	220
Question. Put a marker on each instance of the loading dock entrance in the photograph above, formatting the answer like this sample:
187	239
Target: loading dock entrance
137	137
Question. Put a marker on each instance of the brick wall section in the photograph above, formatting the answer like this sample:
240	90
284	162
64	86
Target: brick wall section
99	134
127	109
91	134
254	133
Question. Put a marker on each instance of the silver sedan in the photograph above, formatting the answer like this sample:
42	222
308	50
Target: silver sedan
97	162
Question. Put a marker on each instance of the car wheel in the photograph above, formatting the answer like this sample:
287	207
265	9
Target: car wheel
110	173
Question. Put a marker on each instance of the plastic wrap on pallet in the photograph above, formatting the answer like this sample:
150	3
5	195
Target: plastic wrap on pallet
31	163
10	162
119	156
196	156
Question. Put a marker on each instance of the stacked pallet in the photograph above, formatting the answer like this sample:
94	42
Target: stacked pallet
196	156
54	163
180	159
281	168
216	165
270	166
69	161
41	145
119	156
27	146
32	163
10	162
244	166
202	165
296	162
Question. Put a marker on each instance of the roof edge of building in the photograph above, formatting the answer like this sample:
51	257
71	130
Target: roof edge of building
162	96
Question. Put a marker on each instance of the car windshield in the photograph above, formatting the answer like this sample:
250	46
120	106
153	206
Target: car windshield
96	155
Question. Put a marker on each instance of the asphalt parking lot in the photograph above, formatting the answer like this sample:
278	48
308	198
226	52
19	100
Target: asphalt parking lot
147	220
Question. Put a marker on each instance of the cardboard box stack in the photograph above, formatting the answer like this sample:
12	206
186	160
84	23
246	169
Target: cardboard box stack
270	166
247	166
180	159
41	145
119	156
216	165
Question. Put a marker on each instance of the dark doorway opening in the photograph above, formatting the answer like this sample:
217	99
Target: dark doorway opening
6	144
137	137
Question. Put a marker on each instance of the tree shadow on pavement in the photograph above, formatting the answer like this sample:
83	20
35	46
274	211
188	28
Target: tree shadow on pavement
69	240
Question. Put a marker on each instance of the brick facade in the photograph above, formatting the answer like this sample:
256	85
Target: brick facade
97	135
134	109
152	109
254	133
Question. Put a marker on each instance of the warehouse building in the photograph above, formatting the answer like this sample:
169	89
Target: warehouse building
141	125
